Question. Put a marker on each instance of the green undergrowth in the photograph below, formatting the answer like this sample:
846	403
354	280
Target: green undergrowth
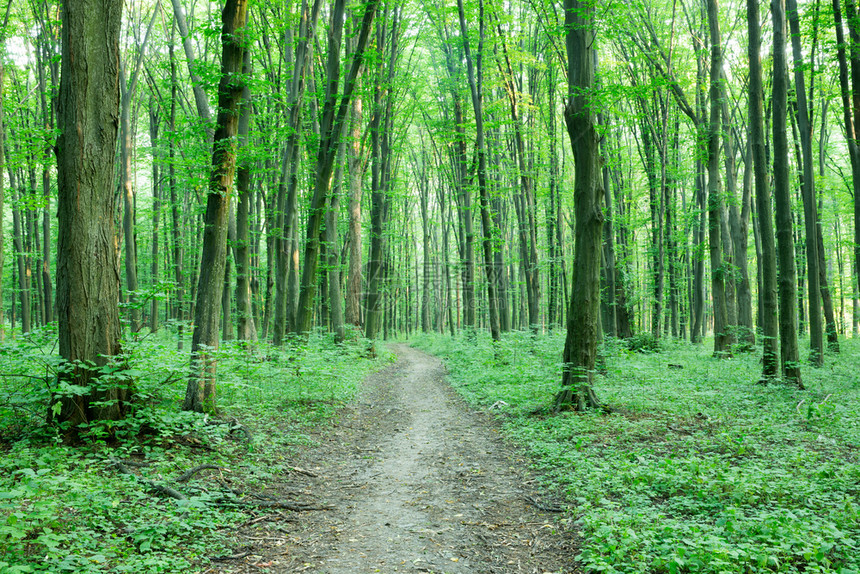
70	509
698	468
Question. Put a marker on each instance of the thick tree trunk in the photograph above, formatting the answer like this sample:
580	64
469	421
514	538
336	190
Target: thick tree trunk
200	392
790	359
87	263
580	347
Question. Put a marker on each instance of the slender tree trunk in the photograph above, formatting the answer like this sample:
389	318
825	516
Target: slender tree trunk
335	297
246	327
155	264
767	260
126	184
810	215
200	392
474	72
722	335
175	211
2	179
333	120
356	179
790	359
286	215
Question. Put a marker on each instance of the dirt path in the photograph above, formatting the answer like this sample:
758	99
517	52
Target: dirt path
416	482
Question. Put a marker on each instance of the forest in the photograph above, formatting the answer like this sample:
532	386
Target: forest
630	231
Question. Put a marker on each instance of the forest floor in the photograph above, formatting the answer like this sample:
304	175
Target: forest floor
409	479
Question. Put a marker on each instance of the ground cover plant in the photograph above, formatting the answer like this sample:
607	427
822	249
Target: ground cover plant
697	468
162	490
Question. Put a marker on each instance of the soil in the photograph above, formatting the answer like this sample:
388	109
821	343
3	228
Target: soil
412	481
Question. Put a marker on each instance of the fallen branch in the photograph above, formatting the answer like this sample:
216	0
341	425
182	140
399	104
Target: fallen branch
160	488
298	470
226	558
185	476
542	507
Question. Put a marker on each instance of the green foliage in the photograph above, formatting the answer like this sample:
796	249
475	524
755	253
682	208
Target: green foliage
698	469
68	509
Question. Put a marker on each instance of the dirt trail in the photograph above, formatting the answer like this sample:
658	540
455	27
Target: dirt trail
417	483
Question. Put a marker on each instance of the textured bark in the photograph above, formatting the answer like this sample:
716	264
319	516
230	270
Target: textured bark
200	392
790	356
767	260
87	263
580	346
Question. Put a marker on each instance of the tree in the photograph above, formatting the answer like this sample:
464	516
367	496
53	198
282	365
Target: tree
810	213
200	392
332	125
768	296
87	263
722	336
580	346
790	355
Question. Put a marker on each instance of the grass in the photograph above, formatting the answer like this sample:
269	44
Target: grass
698	469
68	509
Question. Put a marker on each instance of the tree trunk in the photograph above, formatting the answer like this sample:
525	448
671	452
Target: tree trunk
475	76
200	392
722	335
580	347
2	182
356	166
175	214
790	359
246	327
810	215
87	263
767	261
127	187
155	264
